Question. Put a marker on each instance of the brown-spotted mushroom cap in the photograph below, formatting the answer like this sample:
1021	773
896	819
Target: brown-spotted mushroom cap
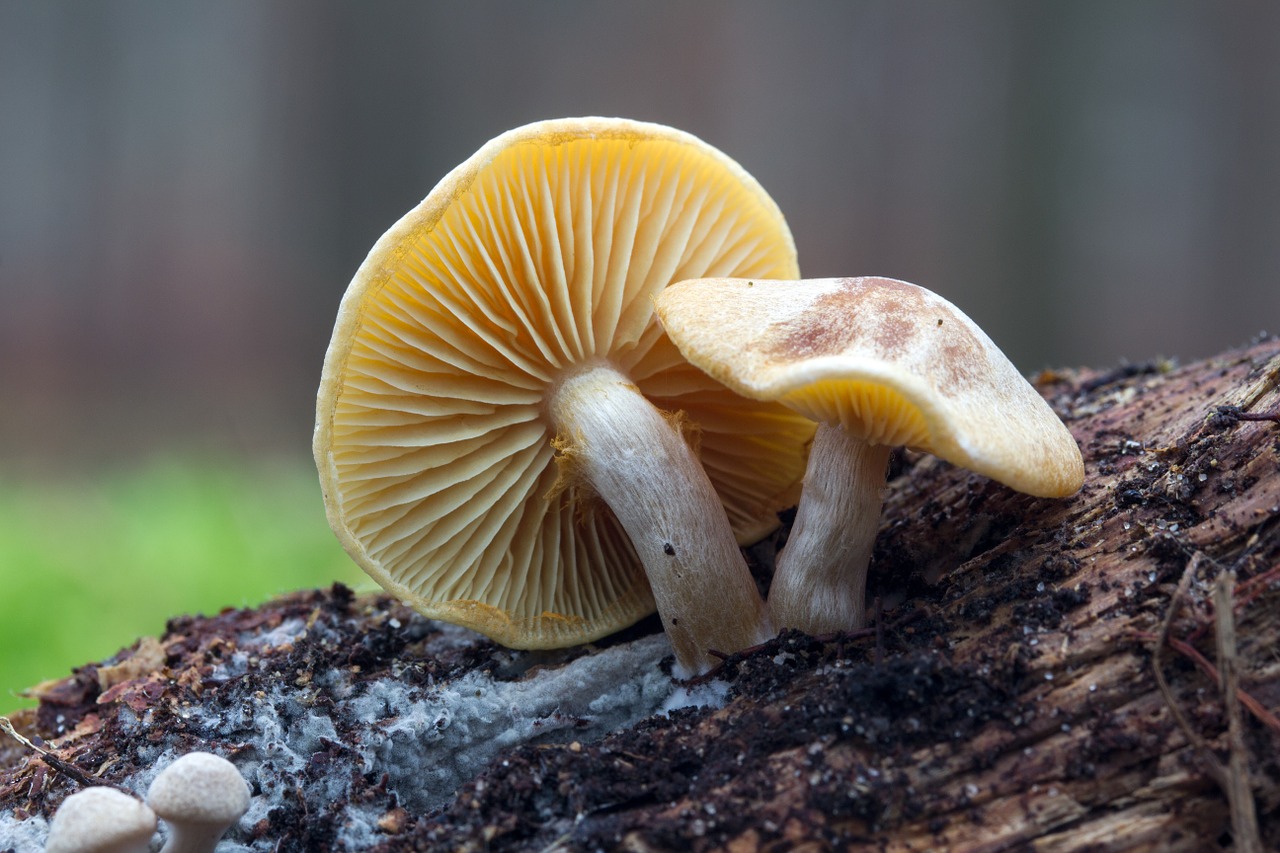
478	345
878	363
101	820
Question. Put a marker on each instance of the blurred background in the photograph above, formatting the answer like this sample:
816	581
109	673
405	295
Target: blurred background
187	187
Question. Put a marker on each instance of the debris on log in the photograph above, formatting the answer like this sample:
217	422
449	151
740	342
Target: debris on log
1098	673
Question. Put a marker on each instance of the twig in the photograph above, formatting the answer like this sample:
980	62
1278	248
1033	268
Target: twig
1244	818
1157	662
1250	589
1234	778
1190	652
1273	417
1246	592
58	764
1231	414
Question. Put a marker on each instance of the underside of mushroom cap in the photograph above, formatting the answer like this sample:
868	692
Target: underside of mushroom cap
891	362
538	255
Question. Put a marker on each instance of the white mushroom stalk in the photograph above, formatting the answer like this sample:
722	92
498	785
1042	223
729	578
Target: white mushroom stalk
496	427
820	577
878	363
640	465
199	796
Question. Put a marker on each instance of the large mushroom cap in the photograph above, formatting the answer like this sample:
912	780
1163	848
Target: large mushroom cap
538	255
892	363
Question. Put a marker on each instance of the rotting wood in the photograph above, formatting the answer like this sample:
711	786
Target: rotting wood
1006	698
1023	712
1235	777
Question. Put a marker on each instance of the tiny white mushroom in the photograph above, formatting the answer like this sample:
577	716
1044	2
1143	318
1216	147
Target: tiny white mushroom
101	820
200	796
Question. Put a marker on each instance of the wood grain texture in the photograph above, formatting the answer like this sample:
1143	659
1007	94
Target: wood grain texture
1004	699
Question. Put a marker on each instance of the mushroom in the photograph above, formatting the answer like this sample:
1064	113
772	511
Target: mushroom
101	820
200	796
877	363
503	433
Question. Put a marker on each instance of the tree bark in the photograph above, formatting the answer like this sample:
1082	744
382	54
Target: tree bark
1098	673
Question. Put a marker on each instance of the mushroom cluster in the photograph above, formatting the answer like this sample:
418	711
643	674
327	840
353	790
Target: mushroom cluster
876	363
505	438
199	796
508	439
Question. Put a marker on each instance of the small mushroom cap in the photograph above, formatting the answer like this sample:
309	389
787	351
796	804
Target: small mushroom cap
199	788
101	820
891	362
538	257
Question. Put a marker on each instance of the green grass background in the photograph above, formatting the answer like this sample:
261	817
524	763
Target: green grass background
90	563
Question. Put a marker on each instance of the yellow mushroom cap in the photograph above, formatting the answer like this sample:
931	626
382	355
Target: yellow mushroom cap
891	362
539	255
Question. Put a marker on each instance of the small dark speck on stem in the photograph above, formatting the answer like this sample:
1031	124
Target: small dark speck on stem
668	549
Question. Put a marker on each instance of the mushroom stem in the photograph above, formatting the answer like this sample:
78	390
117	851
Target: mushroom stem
639	464
192	837
821	578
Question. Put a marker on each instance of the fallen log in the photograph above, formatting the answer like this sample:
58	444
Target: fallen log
1098	673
